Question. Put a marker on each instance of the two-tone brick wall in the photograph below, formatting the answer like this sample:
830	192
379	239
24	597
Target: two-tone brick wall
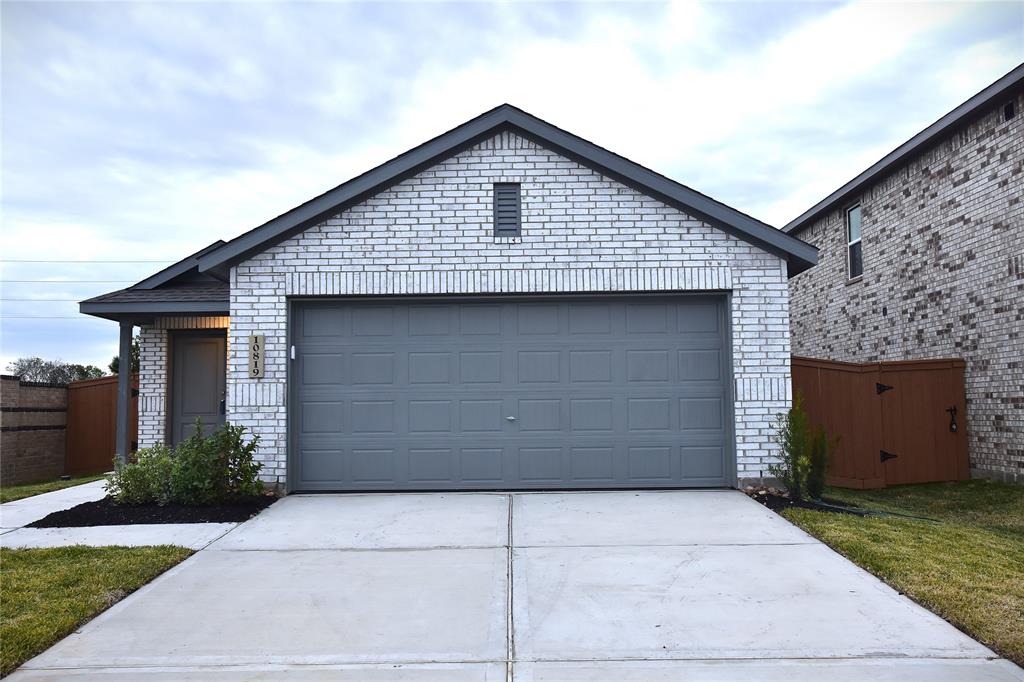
582	232
943	244
33	418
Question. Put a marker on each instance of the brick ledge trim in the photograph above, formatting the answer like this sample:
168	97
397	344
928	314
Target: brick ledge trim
508	281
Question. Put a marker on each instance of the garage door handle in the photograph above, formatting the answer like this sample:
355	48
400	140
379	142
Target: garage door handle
510	418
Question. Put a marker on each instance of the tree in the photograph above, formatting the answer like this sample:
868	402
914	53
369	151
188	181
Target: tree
52	371
115	363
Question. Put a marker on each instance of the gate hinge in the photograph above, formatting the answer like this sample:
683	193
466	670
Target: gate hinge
884	456
293	353
882	388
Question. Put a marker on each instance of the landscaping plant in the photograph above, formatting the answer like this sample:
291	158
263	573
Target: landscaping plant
804	453
200	470
794	439
818	456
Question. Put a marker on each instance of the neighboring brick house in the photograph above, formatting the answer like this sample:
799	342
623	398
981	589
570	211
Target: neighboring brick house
505	306
922	256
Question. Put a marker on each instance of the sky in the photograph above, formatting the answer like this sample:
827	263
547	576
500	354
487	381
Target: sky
143	132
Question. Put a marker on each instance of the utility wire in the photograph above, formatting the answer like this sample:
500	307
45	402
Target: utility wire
42	300
47	317
65	281
21	260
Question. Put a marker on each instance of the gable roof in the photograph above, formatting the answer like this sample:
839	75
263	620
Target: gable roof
799	255
916	145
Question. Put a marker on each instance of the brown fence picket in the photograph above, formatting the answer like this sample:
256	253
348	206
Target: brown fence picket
889	419
91	424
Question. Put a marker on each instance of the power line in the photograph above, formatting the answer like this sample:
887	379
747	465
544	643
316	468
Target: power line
47	317
66	281
42	300
21	260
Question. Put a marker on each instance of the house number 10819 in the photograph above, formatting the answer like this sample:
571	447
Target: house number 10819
256	355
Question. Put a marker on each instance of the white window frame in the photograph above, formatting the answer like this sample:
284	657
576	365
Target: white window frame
850	242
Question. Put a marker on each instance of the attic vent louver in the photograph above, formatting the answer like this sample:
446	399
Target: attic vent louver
508	213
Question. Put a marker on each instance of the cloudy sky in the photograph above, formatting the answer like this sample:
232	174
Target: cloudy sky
142	132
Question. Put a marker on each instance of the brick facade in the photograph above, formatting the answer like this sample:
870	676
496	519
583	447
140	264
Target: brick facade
943	244
33	418
154	364
432	234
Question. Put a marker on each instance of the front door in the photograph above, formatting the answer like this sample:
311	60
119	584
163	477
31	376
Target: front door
198	368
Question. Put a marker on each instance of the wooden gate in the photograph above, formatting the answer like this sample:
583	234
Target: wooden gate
92	423
896	422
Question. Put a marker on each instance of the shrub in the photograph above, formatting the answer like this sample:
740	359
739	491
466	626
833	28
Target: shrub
820	452
200	470
793	437
215	468
804	456
147	479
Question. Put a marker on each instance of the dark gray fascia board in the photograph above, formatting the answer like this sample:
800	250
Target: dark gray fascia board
798	254
187	263
142	310
915	145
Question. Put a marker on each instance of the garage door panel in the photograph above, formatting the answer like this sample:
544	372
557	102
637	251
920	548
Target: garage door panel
482	466
615	392
431	465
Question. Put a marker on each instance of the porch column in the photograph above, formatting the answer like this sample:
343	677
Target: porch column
124	392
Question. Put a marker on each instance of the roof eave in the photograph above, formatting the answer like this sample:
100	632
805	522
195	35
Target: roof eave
141	310
906	151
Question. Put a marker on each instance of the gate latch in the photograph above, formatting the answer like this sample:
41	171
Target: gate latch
886	456
882	388
952	418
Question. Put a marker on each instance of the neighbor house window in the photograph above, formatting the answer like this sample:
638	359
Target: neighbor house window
508	211
853	246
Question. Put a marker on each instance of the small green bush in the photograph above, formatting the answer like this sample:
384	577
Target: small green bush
147	479
200	470
804	455
820	452
793	437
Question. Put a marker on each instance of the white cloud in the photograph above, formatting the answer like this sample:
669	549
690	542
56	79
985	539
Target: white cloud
148	131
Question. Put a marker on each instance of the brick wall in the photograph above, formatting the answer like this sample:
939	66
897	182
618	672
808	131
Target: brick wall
582	232
153	367
32	423
943	242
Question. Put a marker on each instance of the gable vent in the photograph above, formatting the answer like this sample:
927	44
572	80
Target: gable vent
508	212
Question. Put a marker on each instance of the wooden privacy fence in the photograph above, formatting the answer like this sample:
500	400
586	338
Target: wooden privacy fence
92	424
896	422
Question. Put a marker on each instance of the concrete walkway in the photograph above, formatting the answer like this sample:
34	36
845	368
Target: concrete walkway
23	512
703	585
15	515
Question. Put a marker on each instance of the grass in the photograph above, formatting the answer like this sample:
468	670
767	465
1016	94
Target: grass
10	493
967	565
47	593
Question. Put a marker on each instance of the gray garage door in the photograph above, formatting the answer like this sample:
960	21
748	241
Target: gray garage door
521	393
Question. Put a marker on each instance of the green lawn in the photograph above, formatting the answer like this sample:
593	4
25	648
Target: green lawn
47	593
967	565
10	493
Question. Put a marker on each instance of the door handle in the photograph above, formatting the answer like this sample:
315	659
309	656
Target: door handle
510	418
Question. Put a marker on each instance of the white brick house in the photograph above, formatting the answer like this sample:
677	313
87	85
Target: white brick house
614	329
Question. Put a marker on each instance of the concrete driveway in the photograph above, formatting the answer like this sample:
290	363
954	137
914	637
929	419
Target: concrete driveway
702	585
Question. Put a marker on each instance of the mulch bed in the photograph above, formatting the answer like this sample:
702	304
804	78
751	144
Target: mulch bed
777	503
106	513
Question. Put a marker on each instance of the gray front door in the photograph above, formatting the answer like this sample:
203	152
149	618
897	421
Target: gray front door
614	392
198	368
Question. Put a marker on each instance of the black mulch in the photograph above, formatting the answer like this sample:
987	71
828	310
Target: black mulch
106	513
777	503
